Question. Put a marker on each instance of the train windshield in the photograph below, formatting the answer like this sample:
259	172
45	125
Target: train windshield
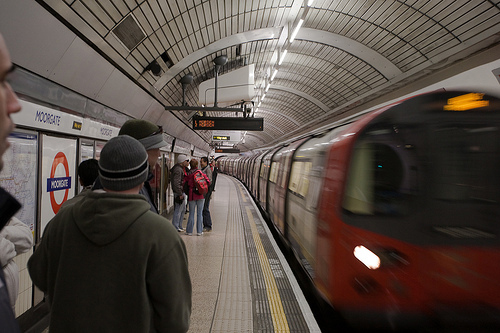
382	177
441	175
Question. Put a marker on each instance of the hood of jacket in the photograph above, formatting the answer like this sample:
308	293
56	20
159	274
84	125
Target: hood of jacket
104	217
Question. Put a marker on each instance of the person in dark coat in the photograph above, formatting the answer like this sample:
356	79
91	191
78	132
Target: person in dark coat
9	104
178	172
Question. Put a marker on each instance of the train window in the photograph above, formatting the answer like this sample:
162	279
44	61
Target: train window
375	184
295	176
274	172
263	170
299	178
304	179
284	173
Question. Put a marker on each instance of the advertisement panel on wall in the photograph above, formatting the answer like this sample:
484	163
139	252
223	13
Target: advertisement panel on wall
19	174
58	175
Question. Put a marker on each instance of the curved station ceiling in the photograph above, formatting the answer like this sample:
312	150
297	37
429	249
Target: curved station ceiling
346	52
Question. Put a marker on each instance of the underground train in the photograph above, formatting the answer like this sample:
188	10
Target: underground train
394	214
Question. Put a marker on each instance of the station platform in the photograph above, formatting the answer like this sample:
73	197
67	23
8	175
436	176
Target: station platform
241	281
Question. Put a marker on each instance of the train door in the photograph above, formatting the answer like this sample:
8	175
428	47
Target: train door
264	177
254	174
273	190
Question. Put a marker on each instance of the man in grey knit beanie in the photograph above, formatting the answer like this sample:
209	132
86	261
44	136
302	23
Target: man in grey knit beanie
108	263
123	164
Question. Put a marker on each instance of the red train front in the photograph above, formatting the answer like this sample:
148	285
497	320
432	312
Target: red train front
408	220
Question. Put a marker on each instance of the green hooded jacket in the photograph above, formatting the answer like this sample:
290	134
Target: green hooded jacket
109	264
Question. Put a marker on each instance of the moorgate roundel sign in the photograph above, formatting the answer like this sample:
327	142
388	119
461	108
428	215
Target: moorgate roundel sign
58	183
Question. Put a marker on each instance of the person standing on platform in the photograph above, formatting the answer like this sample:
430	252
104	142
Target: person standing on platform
195	200
9	104
108	263
151	137
88	171
177	174
215	171
207	219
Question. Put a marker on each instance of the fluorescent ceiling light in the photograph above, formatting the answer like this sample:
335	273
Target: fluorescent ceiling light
283	55
274	74
296	30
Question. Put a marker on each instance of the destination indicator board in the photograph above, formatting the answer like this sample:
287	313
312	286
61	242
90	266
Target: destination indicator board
228	123
227	151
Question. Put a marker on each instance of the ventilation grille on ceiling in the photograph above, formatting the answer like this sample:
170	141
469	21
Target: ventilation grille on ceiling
129	32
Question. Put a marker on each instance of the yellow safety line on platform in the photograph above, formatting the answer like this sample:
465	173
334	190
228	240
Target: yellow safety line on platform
243	196
278	314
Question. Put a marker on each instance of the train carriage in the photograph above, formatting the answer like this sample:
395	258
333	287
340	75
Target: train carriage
254	188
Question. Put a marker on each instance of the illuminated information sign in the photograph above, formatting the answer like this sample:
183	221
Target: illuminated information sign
466	102
228	123
221	137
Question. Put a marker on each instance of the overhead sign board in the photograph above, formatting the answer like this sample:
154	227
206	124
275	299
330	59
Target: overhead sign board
227	151
228	123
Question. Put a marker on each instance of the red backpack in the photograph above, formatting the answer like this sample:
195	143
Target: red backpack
200	183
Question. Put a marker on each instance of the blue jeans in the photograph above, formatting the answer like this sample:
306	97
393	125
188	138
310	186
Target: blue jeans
179	210
199	213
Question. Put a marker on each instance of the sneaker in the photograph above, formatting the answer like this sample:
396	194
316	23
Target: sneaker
189	233
180	230
199	234
207	229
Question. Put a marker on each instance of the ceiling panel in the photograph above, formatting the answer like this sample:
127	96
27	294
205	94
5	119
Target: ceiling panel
369	43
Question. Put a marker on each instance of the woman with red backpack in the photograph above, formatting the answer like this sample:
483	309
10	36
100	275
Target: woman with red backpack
197	184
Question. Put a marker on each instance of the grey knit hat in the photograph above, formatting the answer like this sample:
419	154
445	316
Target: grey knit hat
149	134
123	164
181	158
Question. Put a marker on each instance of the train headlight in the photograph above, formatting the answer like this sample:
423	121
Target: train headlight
367	257
386	257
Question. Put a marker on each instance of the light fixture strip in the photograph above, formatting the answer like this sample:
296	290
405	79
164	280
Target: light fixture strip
283	55
296	30
274	74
